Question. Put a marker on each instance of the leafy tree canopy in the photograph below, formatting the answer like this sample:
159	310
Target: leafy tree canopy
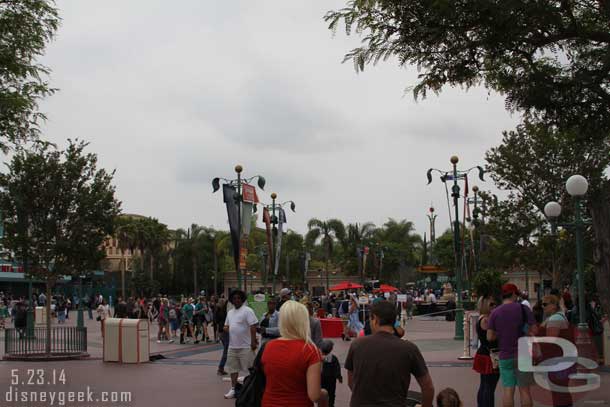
57	208
26	26
549	58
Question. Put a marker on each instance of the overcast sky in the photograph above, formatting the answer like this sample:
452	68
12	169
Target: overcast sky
172	94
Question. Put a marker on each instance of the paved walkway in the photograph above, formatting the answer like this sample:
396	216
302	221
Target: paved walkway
187	373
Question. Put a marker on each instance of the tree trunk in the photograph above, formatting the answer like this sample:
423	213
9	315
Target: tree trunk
215	257
142	260
123	268
195	287
600	213
152	261
327	279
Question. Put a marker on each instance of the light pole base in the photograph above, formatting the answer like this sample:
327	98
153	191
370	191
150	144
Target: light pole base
80	318
459	325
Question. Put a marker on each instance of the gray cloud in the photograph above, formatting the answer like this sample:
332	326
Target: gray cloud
174	94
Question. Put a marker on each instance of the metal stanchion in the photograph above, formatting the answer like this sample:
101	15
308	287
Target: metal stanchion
466	355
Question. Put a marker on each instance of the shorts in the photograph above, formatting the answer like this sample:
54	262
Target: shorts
174	324
511	376
186	323
239	360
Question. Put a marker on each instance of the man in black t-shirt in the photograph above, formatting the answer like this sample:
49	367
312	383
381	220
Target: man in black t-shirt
379	367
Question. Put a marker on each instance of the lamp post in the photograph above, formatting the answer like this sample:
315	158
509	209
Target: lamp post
456	175
275	221
237	183
475	222
576	186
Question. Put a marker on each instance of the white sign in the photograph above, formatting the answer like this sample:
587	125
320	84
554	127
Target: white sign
363	300
401	298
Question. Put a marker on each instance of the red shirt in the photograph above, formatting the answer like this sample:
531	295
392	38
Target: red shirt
285	364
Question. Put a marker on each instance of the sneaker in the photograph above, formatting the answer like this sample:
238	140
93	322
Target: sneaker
158	341
230	394
196	342
171	341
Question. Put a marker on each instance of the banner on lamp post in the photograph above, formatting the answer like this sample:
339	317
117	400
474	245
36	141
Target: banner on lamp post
278	243
229	195
249	193
267	220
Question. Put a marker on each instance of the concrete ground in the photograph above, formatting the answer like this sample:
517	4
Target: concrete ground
187	374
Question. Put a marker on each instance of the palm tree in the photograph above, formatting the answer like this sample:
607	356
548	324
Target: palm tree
400	243
220	244
176	237
125	236
158	237
327	231
357	236
141	238
194	237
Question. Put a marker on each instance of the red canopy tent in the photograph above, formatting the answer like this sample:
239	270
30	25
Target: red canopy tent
386	288
346	285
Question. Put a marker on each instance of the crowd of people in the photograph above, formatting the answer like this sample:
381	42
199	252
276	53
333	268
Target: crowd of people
502	322
299	365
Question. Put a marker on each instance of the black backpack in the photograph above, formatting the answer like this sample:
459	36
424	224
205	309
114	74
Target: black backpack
251	392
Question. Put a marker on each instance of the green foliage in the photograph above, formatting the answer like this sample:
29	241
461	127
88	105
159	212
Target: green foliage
26	26
518	226
57	208
549	58
401	247
488	282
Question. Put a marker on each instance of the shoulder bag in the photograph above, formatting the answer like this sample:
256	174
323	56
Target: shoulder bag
251	392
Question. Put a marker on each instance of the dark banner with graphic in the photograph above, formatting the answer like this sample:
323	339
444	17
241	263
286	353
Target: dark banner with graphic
229	196
267	220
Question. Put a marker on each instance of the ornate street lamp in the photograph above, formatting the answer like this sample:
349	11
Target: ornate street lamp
456	175
274	208
576	186
236	229
475	222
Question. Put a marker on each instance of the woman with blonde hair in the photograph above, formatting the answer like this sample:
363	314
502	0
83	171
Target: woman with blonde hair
292	363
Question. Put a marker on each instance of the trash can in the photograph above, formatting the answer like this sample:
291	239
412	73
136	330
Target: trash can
40	316
126	340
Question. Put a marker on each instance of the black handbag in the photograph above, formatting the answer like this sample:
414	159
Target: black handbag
251	392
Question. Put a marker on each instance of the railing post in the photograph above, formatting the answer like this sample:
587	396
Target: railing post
466	326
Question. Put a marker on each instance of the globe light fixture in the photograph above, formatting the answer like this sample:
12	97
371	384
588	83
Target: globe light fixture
552	210
577	185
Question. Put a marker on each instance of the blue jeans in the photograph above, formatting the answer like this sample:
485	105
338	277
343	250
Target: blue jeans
224	338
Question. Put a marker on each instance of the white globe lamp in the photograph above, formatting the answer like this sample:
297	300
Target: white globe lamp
577	185
552	210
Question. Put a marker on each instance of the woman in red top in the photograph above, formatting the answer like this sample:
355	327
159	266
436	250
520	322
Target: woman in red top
292	363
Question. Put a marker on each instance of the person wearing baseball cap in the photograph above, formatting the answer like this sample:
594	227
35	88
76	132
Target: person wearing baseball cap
507	323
